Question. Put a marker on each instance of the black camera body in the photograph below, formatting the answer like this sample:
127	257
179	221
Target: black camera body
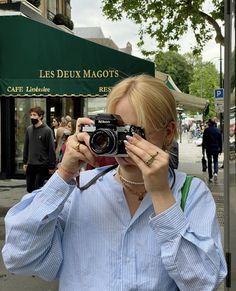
108	133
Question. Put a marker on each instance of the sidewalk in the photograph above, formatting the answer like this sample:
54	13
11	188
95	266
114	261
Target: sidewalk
11	192
190	156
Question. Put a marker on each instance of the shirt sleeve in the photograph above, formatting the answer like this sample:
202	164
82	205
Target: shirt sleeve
190	241
34	230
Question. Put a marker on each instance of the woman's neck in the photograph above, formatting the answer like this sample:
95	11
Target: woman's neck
130	175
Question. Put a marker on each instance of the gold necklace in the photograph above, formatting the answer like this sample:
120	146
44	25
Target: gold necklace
140	195
127	181
126	185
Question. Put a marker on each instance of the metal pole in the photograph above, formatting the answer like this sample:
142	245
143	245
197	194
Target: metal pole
227	199
221	86
221	75
180	127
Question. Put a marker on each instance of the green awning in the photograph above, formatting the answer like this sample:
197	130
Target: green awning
39	60
190	102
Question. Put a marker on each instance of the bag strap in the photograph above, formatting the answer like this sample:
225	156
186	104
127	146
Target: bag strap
185	190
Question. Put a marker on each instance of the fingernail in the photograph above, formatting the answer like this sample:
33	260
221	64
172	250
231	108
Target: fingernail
128	137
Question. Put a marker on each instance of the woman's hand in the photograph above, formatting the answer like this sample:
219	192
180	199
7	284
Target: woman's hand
153	162
77	152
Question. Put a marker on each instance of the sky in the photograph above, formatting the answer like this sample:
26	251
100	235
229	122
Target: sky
88	13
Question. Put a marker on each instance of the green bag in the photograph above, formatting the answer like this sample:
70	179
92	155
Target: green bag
185	190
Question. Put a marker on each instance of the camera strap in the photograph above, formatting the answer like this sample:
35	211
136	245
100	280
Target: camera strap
95	178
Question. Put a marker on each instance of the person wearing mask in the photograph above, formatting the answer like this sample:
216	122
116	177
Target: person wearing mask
39	158
124	229
212	144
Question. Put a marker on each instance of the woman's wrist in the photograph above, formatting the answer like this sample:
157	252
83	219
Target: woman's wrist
162	200
65	174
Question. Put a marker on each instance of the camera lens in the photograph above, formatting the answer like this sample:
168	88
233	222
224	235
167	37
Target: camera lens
103	141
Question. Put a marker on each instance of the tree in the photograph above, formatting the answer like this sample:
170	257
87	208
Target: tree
167	21
205	81
177	67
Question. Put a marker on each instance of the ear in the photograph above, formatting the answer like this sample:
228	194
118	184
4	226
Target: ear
170	133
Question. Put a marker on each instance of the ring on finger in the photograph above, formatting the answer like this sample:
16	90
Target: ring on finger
151	159
77	147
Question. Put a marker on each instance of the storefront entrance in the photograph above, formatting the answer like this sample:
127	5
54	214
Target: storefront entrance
16	112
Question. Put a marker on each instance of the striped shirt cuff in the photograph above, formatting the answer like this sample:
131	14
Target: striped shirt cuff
169	224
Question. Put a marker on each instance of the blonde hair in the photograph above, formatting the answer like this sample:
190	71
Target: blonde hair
152	101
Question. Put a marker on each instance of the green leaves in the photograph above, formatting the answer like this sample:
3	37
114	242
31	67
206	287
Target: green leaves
166	21
205	81
177	67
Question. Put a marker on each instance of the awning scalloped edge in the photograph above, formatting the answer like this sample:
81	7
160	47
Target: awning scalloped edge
52	95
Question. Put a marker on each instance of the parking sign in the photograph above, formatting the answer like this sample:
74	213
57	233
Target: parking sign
219	93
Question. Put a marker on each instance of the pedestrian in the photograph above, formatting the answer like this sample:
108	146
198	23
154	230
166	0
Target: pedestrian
192	129
39	157
69	130
125	229
60	137
55	126
212	144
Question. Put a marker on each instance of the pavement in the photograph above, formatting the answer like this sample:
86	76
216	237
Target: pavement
11	191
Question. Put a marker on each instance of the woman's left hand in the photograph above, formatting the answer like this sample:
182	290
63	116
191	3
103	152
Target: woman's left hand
153	162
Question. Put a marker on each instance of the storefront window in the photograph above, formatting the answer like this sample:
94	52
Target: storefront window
52	8
61	107
22	121
94	106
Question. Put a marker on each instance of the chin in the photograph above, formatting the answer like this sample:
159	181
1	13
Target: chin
125	161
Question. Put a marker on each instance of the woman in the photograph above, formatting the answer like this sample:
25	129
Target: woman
69	130
55	126
127	230
60	134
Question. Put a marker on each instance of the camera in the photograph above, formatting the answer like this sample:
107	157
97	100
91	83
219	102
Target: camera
108	133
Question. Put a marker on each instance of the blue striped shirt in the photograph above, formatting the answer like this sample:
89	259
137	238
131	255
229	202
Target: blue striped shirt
89	240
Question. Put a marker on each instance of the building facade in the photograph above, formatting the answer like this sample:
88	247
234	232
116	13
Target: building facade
47	8
62	73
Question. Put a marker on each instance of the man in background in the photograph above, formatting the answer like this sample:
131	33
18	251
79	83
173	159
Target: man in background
212	144
39	158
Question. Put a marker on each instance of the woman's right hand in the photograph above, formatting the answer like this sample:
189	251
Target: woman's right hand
77	152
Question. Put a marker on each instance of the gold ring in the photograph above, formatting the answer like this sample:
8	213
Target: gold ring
77	147
155	155
151	159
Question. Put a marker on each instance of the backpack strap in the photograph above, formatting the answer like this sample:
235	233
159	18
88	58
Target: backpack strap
185	190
